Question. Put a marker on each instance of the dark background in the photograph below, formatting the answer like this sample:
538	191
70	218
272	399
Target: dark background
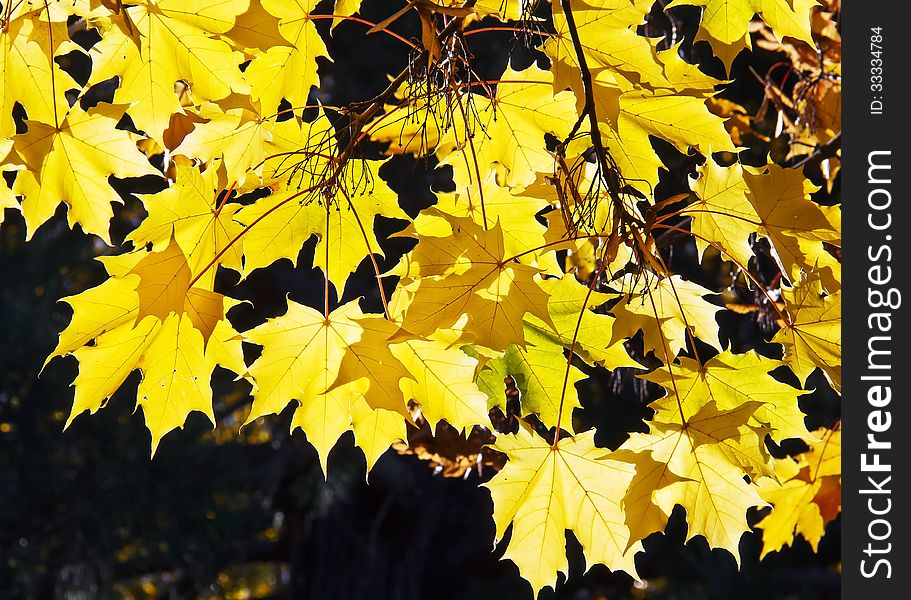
86	514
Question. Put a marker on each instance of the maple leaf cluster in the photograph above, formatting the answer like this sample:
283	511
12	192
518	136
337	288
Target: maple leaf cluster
545	261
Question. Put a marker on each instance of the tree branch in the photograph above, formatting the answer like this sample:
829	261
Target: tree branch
827	150
609	172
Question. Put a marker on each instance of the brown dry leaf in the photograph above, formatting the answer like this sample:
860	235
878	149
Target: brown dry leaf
448	452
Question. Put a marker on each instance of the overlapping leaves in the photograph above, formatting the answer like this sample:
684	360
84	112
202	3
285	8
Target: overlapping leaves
537	268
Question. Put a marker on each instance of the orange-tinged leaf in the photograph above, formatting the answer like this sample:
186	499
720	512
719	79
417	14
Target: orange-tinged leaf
205	309
371	358
805	495
255	31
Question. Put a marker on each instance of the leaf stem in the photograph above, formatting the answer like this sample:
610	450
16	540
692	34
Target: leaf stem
746	271
371	254
589	110
356	126
365	22
326	267
572	349
50	38
224	199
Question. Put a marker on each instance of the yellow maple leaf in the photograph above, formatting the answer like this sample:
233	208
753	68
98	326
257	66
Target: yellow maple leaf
680	119
806	494
442	381
304	354
257	151
176	365
345	8
637	91
174	344
812	337
287	71
489	203
607	32
281	223
573	323
174	376
325	416
176	43
722	213
787	217
468	273
664	309
699	461
33	33
540	374
237	136
371	358
189	211
629	115
164	285
302	351
164	280
513	124
729	380
417	123
476	135
338	378
504	10
772	202
71	164
545	490
254	31
7	197
98	310
725	23
375	429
